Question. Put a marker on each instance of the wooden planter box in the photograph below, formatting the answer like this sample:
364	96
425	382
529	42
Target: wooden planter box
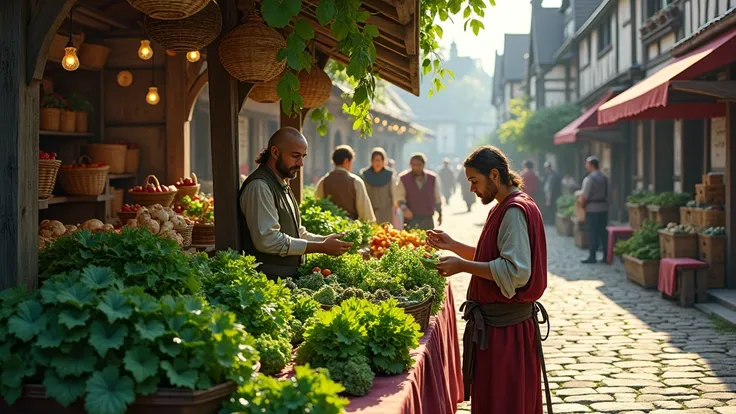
564	225
710	194
580	234
637	214
642	272
678	245
164	401
690	216
664	215
713	251
713	179
711	218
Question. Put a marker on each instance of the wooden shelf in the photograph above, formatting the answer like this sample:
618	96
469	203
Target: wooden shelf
66	134
44	204
121	176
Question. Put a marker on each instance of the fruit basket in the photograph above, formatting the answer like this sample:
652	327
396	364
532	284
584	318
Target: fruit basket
84	179
421	313
187	187
152	192
128	212
48	168
203	234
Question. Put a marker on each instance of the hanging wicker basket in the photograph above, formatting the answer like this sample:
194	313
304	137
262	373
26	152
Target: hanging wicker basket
315	87
169	9
266	92
248	52
188	34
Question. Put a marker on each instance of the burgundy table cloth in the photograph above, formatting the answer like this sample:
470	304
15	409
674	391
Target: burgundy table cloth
667	282
616	233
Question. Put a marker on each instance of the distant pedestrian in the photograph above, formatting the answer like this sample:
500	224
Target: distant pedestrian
447	176
552	191
569	185
595	198
531	180
379	182
346	189
418	195
468	196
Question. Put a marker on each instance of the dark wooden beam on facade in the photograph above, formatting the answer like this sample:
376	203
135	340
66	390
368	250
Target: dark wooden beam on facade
19	118
224	109
48	15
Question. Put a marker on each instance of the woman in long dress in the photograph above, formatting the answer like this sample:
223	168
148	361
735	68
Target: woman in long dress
379	181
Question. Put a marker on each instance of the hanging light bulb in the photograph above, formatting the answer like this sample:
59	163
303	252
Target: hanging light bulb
193	56
152	96
145	52
70	61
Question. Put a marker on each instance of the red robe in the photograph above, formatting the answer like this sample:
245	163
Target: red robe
507	377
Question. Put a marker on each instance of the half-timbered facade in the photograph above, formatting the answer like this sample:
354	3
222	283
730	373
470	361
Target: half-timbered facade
508	77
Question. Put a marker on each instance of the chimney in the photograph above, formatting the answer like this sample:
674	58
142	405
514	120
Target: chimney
536	4
453	50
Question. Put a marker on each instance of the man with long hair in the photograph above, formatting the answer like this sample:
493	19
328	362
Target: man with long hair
502	356
270	223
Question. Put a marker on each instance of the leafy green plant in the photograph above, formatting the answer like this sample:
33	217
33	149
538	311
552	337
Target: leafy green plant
670	199
354	374
309	200
642	244
308	391
566	205
53	101
142	259
275	353
84	335
406	265
326	295
79	104
391	333
639	197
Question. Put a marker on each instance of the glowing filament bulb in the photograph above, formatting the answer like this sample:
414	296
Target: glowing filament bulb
145	52
193	56
152	97
70	61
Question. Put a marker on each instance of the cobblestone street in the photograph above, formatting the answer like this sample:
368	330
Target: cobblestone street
615	347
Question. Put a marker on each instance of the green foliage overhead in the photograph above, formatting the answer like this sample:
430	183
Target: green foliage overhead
535	130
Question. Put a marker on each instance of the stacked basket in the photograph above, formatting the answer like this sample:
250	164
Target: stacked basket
144	198
47	172
88	181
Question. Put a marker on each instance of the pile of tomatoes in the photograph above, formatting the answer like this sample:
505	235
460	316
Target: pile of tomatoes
324	272
43	155
386	236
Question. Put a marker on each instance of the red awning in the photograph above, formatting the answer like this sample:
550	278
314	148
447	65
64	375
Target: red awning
648	98
568	134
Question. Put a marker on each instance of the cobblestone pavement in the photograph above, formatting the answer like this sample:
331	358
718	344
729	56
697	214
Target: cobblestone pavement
615	347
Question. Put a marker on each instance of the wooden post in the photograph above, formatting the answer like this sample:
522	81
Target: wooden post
297	122
224	109
731	190
177	125
19	119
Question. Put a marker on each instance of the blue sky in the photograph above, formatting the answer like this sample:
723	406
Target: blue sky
507	16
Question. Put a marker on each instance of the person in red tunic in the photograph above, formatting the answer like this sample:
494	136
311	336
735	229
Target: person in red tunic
502	357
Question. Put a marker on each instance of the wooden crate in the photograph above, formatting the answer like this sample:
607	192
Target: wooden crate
580	233
664	215
712	248
713	179
711	218
678	245
564	225
689	216
642	272
710	194
637	214
717	276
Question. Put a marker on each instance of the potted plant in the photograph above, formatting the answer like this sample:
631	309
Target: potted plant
636	204
664	208
68	121
641	255
51	106
81	108
565	210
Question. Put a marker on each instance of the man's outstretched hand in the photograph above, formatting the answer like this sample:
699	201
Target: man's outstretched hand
333	246
440	240
449	265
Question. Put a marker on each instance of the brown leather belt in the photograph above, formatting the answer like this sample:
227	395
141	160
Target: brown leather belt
499	315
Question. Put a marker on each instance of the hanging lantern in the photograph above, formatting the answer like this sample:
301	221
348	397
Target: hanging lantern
266	92
248	52
145	52
315	87
193	56
189	34
169	9
70	61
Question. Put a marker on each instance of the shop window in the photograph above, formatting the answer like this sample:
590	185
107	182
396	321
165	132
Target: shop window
604	36
653	6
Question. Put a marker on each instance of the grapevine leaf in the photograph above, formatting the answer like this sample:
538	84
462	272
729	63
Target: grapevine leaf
64	390
179	375
28	321
150	330
141	362
363	16
105	337
371	30
77	295
108	392
75	363
304	29
98	277
73	317
276	13
326	11
114	305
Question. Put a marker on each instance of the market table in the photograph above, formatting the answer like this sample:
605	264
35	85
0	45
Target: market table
434	385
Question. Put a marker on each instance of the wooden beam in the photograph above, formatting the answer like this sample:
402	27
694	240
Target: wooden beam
97	15
405	10
730	182
48	15
725	90
386	9
177	146
19	118
398	65
84	20
224	109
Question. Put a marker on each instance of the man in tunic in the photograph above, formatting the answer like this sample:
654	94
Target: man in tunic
270	224
530	179
502	356
594	197
448	180
344	188
418	195
552	191
379	181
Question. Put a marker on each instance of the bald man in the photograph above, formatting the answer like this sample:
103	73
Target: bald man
272	230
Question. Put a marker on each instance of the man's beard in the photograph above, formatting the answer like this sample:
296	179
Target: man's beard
285	171
489	194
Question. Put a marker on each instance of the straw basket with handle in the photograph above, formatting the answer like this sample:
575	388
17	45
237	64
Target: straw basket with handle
47	171
84	179
184	189
145	198
203	233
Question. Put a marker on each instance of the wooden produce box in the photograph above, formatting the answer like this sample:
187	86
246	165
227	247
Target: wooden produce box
713	179
716	276
564	225
642	272
711	218
710	194
690	216
637	214
712	250
678	245
664	215
580	233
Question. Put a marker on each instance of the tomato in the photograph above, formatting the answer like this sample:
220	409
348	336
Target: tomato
316	270
326	272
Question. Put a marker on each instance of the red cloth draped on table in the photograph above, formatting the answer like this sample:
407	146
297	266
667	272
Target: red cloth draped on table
667	282
507	375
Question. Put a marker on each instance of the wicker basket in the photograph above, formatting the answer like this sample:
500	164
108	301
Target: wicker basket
169	9
148	199
188	190
266	92
203	234
93	56
315	87
421	313
186	234
124	216
47	171
248	52
84	181
50	119
111	154
67	121
185	35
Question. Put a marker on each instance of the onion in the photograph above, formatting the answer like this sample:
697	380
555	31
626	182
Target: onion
160	215
132	223
167	226
71	229
92	225
179	222
108	227
152	226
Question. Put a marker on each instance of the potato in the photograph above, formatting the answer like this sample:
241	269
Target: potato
93	225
